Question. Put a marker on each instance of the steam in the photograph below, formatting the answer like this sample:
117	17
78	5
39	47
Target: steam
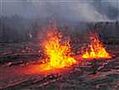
77	10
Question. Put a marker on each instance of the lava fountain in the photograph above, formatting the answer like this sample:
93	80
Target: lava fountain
95	49
57	51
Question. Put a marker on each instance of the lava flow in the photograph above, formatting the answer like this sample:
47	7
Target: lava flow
57	51
95	49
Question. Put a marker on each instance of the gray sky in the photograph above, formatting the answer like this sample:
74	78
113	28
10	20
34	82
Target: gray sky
77	10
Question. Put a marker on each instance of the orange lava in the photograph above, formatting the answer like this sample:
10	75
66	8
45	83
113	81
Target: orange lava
95	49
57	51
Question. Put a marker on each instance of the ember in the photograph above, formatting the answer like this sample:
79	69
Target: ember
95	49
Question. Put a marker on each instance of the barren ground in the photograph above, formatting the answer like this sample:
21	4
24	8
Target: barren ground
17	59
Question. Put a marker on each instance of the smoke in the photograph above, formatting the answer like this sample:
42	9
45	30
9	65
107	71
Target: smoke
78	10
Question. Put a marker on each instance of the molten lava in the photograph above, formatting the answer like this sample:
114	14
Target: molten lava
95	49
58	51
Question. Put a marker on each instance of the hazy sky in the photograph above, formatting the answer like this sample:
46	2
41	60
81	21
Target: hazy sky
79	10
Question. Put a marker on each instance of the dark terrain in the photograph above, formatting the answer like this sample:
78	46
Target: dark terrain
15	75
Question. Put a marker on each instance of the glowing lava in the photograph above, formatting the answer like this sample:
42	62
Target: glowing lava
95	49
58	51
